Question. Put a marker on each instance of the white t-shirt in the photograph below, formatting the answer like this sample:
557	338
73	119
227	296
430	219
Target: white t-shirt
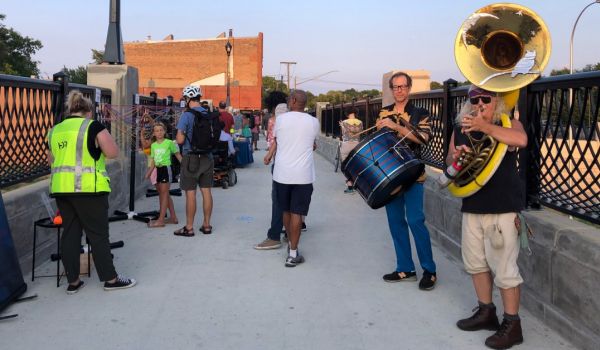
295	133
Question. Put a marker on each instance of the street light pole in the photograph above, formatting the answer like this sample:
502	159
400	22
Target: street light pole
573	35
570	136
228	48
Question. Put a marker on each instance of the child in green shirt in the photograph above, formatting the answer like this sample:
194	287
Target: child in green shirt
160	158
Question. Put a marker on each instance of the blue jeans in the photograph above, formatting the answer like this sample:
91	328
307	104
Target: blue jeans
406	210
274	232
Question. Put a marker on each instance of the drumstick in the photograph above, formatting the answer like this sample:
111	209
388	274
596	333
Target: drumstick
364	131
373	127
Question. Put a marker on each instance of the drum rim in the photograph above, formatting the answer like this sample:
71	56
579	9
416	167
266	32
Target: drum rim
418	161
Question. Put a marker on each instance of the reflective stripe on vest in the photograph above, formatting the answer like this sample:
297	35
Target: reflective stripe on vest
75	183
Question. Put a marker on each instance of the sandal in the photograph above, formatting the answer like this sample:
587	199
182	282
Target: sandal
206	230
154	223
184	232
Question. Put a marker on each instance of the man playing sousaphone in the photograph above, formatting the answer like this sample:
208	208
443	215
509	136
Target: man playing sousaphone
406	209
490	241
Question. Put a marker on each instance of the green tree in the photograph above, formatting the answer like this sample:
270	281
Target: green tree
561	71
97	56
76	75
271	84
16	52
337	96
586	68
591	67
434	85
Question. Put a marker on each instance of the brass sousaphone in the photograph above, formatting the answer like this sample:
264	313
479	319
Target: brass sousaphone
501	47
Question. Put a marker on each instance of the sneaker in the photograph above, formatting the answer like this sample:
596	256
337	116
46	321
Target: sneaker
292	262
268	244
349	191
120	283
400	276
72	289
303	227
427	281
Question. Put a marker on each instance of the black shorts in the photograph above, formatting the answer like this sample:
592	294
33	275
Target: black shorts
293	198
164	174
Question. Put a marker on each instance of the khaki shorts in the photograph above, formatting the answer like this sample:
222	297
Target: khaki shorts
479	255
196	170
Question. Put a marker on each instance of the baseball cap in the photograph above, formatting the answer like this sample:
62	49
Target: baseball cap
477	91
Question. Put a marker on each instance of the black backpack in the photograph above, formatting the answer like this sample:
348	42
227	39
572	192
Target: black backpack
206	132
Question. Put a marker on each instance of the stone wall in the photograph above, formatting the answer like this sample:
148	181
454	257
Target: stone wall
562	276
24	205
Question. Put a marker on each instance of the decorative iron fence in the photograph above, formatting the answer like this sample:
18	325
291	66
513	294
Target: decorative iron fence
28	109
561	165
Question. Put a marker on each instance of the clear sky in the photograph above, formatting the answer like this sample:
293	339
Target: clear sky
359	39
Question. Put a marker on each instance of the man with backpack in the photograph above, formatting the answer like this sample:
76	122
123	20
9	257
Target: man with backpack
198	131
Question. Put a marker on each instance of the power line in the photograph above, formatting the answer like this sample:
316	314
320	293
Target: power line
346	83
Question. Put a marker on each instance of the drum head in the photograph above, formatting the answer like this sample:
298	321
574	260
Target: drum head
406	177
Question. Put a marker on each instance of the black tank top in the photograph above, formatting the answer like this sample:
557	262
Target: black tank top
502	193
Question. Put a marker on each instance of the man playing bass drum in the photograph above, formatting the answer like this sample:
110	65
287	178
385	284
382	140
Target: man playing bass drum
406	209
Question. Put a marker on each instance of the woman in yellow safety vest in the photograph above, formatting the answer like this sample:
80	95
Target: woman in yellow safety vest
80	184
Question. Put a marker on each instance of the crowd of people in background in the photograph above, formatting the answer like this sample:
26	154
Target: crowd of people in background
291	136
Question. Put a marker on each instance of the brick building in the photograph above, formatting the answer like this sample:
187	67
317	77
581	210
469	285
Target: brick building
167	66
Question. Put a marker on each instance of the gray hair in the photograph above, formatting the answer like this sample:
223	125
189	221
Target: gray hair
280	109
467	109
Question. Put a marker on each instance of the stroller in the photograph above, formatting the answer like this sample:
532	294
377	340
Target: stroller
224	173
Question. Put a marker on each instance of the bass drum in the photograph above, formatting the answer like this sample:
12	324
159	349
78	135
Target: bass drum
382	166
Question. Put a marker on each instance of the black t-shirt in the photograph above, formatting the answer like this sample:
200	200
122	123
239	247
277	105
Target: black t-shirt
502	193
419	118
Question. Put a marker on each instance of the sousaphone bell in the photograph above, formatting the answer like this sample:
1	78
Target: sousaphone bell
500	47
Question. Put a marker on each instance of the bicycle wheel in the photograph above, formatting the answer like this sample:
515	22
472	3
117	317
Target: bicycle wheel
336	162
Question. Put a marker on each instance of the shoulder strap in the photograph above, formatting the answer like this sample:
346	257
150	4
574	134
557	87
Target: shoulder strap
194	112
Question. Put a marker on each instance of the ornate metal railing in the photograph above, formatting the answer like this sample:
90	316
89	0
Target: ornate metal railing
564	144
561	165
28	109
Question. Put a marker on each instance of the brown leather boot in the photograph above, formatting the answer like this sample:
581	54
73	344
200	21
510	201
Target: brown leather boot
506	336
483	318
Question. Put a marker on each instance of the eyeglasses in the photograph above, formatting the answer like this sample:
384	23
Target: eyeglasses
484	99
400	87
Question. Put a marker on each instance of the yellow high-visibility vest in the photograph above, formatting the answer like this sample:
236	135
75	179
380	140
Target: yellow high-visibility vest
73	169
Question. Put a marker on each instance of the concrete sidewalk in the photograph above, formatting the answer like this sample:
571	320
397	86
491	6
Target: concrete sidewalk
216	292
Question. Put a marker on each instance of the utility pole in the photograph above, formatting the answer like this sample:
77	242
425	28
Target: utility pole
288	72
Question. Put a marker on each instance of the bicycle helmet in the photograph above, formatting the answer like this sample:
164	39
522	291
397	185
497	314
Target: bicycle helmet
192	91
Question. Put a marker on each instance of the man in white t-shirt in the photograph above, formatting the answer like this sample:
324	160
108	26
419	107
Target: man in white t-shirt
294	172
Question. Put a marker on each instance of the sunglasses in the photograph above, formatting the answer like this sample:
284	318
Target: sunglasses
484	99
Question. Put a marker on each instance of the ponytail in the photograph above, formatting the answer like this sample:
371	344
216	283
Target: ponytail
77	103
